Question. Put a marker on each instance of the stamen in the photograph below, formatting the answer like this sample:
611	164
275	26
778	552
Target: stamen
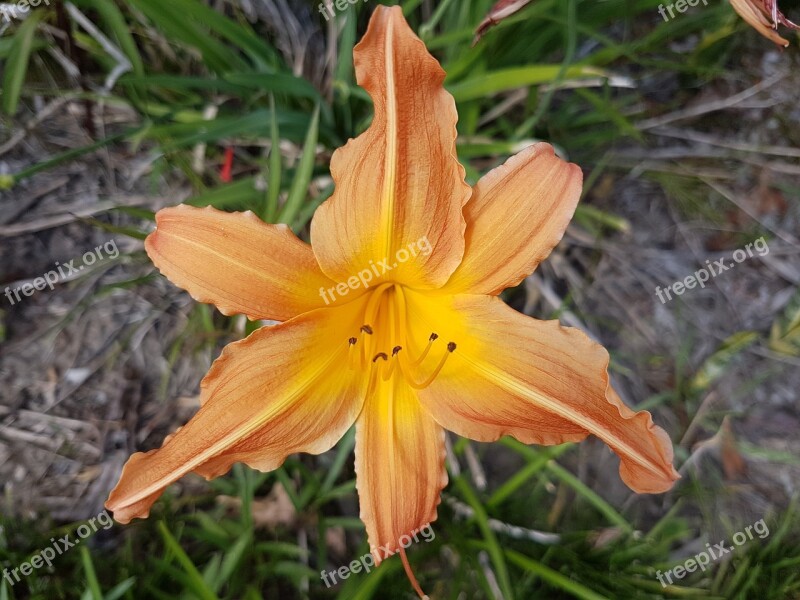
389	371
351	353
370	313
422	385
380	355
424	355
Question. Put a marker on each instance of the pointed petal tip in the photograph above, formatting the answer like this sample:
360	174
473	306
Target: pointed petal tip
658	474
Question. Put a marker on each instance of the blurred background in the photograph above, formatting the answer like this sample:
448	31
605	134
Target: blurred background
687	131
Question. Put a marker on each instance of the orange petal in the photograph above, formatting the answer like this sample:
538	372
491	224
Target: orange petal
516	216
400	469
237	262
280	391
537	381
399	183
756	18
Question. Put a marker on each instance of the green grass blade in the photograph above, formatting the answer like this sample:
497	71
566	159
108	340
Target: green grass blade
590	496
554	578
275	166
302	177
233	558
119	28
278	83
516	77
16	66
493	546
91	576
195	579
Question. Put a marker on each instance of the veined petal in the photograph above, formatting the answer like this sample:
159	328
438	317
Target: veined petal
280	391
517	214
237	262
399	183
754	15
537	381
399	468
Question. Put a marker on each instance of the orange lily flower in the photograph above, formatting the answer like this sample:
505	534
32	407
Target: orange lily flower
426	345
764	17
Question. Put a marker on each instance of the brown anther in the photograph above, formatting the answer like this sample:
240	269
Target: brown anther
434	337
396	349
353	341
451	346
366	329
380	355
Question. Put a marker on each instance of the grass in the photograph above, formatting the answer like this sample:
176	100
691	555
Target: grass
177	58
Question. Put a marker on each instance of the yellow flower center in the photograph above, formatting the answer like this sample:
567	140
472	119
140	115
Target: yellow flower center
383	346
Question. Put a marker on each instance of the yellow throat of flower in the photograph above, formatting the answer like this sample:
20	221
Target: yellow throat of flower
383	347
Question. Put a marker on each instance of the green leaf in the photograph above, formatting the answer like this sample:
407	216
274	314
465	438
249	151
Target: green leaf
493	546
16	66
275	166
91	576
232	558
302	177
119	28
239	194
178	24
554	578
718	363
278	83
195	580
516	77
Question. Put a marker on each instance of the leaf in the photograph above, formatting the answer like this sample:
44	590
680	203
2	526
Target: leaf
91	576
302	177
718	363
194	579
279	83
503	80
115	21
784	335
16	66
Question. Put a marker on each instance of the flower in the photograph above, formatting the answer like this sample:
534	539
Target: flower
426	345
764	16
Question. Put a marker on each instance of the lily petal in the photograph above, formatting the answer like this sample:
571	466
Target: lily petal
754	15
399	182
399	466
537	381
237	262
517	214
281	390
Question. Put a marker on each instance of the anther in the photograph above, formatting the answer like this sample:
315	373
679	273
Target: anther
396	349
366	329
380	355
434	337
451	347
353	341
